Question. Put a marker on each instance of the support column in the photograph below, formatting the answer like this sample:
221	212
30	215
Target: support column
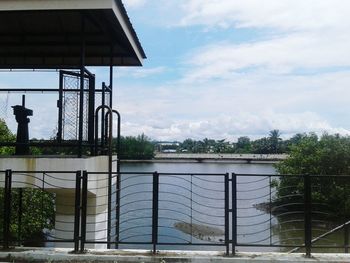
81	95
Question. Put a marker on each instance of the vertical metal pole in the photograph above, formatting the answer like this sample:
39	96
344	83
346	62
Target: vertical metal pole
191	208
7	208
111	79
234	212
118	190
270	210
155	211
227	211
103	132
346	238
118	141
20	212
307	207
84	210
60	108
81	95
42	200
77	211
91	122
110	170
118	186
96	132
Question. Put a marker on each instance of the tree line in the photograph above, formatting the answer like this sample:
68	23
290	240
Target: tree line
272	144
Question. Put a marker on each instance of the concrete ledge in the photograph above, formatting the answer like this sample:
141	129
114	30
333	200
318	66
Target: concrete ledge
119	256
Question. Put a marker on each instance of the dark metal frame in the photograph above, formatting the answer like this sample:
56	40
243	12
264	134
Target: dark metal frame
80	144
230	212
82	73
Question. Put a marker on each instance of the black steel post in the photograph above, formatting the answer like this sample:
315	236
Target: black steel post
7	209
110	170
118	141
227	211
91	121
82	82
118	191
346	238
118	186
84	211
96	133
103	103
77	211
20	212
155	211
111	79
60	109
234	212
307	208
270	209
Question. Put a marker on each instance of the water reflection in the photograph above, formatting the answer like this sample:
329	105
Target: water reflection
191	208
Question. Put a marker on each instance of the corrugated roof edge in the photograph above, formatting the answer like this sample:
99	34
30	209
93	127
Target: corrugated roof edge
131	28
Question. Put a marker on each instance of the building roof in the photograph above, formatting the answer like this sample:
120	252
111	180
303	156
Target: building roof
49	34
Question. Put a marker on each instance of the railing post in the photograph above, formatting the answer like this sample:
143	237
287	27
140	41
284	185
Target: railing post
84	211
77	211
20	212
7	208
118	190
155	211
346	238
234	212
227	211
307	208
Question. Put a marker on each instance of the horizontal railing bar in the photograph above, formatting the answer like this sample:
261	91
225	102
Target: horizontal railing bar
264	245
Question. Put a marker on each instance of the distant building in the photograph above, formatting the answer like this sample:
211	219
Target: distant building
167	147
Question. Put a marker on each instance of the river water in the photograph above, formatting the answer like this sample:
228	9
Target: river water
256	226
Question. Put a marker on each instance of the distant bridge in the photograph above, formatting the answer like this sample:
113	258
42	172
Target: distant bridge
220	157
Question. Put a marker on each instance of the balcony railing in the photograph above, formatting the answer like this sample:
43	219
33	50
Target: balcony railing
155	211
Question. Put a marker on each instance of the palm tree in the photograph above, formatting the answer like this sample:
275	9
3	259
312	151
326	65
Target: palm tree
274	137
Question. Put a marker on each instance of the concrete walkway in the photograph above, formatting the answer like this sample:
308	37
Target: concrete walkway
121	256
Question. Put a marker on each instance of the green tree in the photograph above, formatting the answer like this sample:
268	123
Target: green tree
38	211
274	139
329	155
261	146
38	214
135	148
243	145
6	136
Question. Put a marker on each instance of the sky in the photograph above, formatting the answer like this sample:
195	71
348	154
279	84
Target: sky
222	69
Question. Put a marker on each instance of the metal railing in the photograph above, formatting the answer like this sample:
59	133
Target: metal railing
38	208
174	210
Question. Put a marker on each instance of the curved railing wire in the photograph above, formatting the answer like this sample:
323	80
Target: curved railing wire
174	210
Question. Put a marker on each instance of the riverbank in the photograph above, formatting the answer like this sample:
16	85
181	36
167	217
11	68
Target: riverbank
212	158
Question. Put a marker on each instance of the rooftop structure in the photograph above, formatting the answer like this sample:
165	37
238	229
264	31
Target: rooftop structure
69	36
62	33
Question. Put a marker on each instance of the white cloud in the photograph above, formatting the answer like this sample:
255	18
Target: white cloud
232	127
287	15
140	72
274	56
134	3
251	104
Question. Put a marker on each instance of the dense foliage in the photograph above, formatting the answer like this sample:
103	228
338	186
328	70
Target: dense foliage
273	144
328	155
38	211
37	214
6	136
135	148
